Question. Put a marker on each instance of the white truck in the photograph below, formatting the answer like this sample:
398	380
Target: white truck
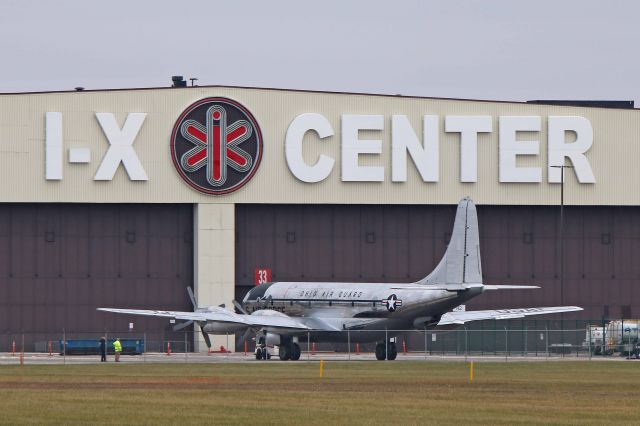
619	336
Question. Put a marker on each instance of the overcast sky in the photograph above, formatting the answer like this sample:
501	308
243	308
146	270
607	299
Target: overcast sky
507	50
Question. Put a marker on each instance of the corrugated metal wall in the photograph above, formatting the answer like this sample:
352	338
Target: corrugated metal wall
520	245
59	262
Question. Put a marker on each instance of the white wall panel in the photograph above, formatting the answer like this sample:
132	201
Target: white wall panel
612	157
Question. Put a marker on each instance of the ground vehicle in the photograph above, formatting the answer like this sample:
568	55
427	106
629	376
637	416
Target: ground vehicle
594	340
622	336
264	351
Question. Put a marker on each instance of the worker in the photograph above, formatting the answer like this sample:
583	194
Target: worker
103	349
117	347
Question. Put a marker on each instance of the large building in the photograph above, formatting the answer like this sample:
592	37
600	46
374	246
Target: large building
122	198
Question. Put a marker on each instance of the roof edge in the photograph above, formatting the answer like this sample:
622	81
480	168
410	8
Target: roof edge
299	91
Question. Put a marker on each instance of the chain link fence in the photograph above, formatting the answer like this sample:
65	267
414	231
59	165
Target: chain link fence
508	339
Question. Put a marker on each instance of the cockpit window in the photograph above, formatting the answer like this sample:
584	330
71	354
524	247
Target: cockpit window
258	291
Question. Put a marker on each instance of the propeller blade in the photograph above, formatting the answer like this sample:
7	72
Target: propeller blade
206	337
245	335
193	298
180	326
239	307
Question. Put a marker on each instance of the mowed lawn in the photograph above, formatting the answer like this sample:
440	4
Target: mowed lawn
281	393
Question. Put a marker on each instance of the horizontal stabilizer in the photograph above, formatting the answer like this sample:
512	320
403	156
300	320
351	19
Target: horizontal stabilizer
447	287
461	317
509	287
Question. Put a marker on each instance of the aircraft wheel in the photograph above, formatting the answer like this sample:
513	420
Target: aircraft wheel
380	354
284	352
392	351
258	354
295	352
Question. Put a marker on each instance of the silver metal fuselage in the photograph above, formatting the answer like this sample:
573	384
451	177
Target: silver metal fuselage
365	309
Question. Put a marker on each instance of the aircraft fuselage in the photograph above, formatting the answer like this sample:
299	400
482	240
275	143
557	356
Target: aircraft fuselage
357	306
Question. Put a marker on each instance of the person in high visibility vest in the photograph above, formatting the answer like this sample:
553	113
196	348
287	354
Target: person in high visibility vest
117	347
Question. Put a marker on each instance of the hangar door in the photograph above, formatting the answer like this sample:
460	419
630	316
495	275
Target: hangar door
59	262
395	243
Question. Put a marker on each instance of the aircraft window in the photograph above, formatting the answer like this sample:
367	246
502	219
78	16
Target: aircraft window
258	291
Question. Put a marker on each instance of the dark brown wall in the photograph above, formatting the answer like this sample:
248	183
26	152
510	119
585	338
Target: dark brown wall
59	262
520	245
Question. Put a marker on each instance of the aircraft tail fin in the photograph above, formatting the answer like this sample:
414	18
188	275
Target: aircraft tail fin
461	261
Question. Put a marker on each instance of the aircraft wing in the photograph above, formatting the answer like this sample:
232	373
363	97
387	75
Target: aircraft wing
461	317
260	319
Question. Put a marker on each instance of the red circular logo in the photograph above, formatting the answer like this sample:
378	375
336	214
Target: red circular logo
216	146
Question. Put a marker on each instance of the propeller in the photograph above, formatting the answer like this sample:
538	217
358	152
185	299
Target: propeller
245	335
180	326
193	298
207	340
249	330
239	307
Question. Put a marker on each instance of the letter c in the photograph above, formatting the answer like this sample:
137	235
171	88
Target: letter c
293	147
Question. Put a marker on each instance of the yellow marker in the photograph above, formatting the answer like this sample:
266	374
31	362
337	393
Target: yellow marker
321	367
471	372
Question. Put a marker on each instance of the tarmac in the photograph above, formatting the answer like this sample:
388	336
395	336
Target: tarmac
240	357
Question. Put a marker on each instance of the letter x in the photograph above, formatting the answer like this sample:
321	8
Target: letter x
216	145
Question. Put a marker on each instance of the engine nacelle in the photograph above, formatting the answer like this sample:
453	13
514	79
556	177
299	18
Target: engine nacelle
272	339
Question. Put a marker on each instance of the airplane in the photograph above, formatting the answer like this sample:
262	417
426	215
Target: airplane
285	313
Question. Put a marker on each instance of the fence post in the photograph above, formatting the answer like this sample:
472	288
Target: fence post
546	339
185	346
64	347
604	338
577	339
526	337
308	345
386	343
22	352
465	342
535	337
144	347
628	345
589	337
425	342
506	344
349	344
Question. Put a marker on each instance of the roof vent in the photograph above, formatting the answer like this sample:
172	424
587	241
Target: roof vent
178	81
79	89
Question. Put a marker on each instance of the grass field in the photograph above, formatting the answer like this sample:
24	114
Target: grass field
350	393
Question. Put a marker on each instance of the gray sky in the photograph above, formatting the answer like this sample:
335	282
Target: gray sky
507	50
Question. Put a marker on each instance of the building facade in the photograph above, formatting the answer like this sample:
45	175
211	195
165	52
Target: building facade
122	198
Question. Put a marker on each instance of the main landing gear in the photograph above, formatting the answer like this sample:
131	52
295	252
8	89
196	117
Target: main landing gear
289	351
390	353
